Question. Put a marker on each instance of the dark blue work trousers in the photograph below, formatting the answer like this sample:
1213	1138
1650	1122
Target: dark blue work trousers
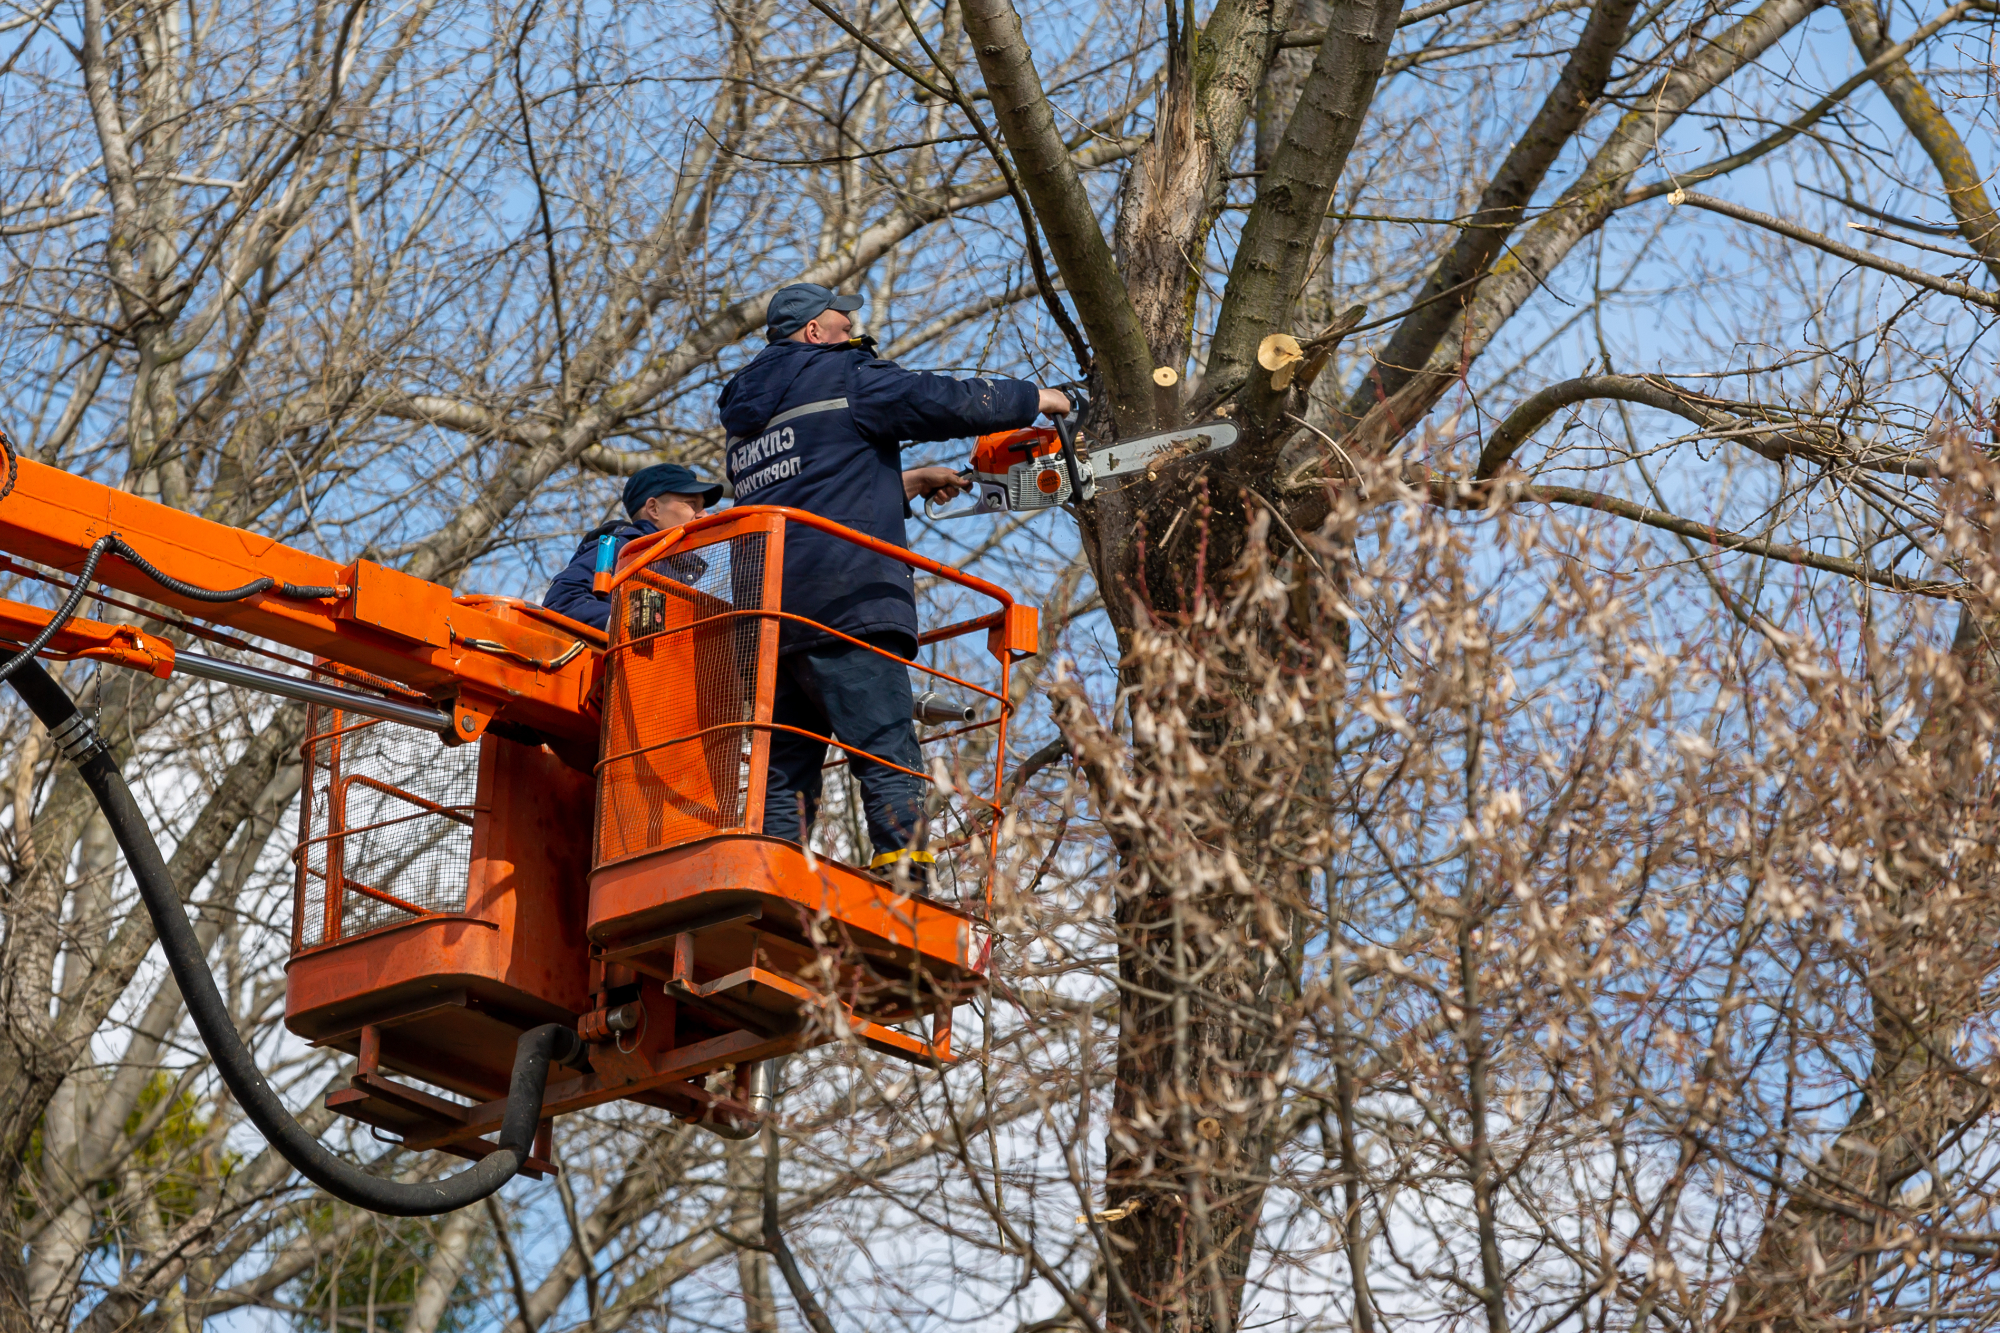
862	699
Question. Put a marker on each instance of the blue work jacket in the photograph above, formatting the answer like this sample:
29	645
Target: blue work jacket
570	593
822	429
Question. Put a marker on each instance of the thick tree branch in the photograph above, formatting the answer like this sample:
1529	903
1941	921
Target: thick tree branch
1458	495
1049	174
1964	184
1580	210
1723	420
1313	36
1278	237
1811	116
774	1240
1505	198
1031	239
1175	189
1030	766
442	1272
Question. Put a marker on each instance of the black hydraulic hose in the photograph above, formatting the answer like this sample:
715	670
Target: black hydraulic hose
195	592
62	613
114	544
71	731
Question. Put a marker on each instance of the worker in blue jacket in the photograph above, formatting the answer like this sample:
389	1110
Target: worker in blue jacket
818	422
662	496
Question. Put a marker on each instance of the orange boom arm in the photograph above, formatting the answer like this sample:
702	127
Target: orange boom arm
483	659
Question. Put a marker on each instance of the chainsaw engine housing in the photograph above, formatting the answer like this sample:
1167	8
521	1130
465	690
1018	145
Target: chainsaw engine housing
1020	470
1039	483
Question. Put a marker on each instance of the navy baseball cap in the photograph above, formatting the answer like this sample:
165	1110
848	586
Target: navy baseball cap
798	305
666	479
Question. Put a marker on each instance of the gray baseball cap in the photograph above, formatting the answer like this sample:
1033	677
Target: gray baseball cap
798	305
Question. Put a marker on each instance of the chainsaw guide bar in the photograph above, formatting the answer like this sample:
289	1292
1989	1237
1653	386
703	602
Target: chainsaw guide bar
1157	451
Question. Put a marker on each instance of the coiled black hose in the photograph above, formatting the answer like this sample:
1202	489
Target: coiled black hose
200	594
71	731
61	616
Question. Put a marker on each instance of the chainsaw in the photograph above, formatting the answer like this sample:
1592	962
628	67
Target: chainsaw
1038	467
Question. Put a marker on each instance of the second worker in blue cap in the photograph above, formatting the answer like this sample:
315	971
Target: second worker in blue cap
662	496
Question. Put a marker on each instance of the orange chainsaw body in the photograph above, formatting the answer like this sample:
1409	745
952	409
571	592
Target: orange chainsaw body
1020	469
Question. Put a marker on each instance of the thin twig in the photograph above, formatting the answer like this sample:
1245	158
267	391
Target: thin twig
513	1262
1298	544
1920	245
1814	113
774	1237
1451	494
542	202
1334	445
1029	227
1947	286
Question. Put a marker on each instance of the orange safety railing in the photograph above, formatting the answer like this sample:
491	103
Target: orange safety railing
386	815
691	677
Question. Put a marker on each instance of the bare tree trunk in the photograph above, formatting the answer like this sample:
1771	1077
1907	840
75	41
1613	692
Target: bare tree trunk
1173	189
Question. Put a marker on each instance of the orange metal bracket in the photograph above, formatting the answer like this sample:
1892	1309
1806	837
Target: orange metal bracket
125	645
1018	635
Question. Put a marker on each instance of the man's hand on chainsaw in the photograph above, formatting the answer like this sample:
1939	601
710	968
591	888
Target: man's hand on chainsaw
936	484
1053	403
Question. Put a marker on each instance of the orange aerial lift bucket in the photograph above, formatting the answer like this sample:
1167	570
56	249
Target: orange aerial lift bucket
733	928
450	898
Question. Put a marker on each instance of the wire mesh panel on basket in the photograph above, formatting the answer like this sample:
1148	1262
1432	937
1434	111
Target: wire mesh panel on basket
681	691
385	827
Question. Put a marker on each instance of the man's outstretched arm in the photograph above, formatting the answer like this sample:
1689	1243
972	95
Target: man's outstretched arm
889	402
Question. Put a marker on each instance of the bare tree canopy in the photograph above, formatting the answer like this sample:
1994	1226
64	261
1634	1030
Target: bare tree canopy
1508	844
